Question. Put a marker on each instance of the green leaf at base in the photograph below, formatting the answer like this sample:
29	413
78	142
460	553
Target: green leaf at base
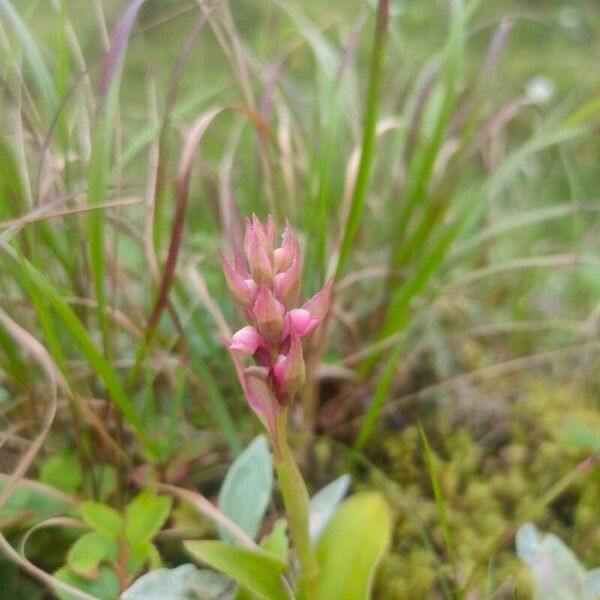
246	490
104	587
89	551
102	518
145	515
351	547
255	570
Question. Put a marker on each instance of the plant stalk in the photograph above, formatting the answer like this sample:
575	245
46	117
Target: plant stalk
295	497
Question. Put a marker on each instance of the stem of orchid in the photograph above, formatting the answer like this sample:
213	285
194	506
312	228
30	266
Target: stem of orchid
295	497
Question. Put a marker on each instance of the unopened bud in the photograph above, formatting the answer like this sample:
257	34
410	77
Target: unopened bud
301	321
269	313
247	340
289	371
242	290
265	234
287	284
318	305
257	255
270	230
261	398
284	255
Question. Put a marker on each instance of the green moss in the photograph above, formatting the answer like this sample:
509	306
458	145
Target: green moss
495	459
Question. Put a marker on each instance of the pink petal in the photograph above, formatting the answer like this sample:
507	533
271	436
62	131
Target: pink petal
289	371
270	229
283	256
260	397
301	321
246	340
258	259
265	234
287	284
269	313
318	305
240	289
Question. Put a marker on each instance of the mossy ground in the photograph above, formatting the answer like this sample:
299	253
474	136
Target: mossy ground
497	453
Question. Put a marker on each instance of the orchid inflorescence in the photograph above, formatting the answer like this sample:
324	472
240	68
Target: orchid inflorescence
268	289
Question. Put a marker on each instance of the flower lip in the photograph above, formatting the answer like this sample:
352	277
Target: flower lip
247	340
301	321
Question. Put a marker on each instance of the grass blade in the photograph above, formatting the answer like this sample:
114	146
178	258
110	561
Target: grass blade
87	347
439	499
368	144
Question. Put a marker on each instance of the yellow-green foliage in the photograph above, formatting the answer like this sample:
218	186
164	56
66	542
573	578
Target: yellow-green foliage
495	458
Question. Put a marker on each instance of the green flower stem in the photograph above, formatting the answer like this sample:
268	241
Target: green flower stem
295	497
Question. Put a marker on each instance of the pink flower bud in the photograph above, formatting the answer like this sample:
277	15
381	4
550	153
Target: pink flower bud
318	305
270	230
258	257
301	321
269	313
240	265
289	371
283	256
247	340
287	284
261	397
242	290
265	234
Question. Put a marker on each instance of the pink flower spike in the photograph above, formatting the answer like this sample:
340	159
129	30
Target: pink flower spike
258	259
260	397
289	371
246	341
301	321
269	313
243	292
318	305
287	284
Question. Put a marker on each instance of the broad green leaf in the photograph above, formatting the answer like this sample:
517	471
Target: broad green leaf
276	543
89	551
161	584
351	547
102	518
104	587
527	541
210	585
592	584
31	504
324	503
140	554
62	472
145	515
246	490
557	572
255	570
